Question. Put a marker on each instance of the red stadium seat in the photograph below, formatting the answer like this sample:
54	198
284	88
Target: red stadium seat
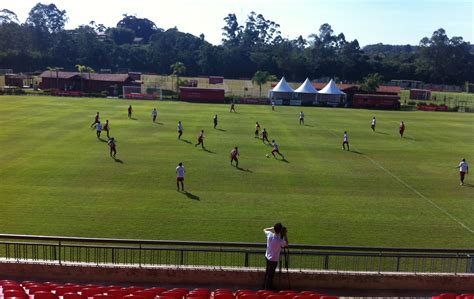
44	295
73	296
134	289
249	296
464	296
329	297
89	292
33	289
8	281
15	294
156	290
223	295
276	297
171	296
118	293
145	294
66	289
446	296
102	296
174	294
133	297
12	287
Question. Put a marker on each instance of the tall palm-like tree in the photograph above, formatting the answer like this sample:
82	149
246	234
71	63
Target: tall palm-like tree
262	77
178	68
56	69
84	69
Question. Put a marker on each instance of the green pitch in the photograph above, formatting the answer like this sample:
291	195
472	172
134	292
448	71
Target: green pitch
57	178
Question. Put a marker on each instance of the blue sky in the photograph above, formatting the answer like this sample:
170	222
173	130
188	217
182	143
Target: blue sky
368	21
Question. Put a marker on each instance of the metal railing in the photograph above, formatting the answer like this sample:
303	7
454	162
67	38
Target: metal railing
149	253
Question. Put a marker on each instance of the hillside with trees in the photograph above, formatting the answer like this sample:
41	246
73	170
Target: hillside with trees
138	44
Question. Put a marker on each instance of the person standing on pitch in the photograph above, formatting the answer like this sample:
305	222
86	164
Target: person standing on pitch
374	122
113	149
276	150
98	129
215	121
180	129
276	239
345	141
273	106
232	107
130	110
96	119
265	136
233	156
402	129
257	129
154	114
463	170
180	176
301	118
200	139
107	128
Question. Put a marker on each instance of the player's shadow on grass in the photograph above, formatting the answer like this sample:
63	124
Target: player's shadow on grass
308	125
101	139
409	138
356	152
158	123
118	160
383	133
222	130
244	170
187	141
208	150
469	185
191	196
133	118
284	160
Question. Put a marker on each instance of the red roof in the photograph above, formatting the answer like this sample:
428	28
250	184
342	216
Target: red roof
388	89
93	76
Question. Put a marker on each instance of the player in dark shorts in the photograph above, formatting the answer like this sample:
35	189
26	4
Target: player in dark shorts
107	128
265	136
345	141
200	139
276	149
113	148
233	156
257	129
98	129
215	121
130	110
232	107
96	119
402	128
180	129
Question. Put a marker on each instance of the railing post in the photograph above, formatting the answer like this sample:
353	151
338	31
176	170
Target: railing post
181	257
380	261
59	254
398	263
246	263
140	255
326	262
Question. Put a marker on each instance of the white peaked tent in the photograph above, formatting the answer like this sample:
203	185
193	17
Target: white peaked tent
331	95
306	93
282	91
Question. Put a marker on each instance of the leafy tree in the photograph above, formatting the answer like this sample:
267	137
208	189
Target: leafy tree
262	77
232	31
371	83
122	35
47	18
178	68
8	16
141	27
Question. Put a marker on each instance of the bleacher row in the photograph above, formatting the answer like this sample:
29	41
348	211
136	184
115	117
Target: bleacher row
11	289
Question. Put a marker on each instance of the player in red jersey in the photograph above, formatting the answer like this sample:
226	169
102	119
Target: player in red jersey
402	128
200	139
106	127
233	156
113	148
265	136
257	129
96	119
232	107
130	111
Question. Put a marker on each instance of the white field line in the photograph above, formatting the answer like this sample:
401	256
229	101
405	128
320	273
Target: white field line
411	188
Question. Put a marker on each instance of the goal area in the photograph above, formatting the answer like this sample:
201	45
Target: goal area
142	92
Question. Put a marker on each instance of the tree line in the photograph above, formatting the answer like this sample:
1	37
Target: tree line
256	45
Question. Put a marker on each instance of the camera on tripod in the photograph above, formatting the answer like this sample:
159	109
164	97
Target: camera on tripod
283	231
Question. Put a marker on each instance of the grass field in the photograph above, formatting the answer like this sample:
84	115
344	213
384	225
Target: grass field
56	177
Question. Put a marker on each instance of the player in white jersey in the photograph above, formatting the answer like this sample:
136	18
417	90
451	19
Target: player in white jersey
301	118
180	176
372	125
154	114
463	170
180	129
345	141
276	149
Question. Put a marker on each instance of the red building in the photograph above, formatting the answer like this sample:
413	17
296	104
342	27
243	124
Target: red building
202	95
85	82
376	101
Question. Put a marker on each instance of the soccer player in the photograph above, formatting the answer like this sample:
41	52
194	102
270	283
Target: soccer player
233	156
130	110
180	176
265	136
200	139
402	129
232	107
273	106
98	129
215	121
113	149
180	129
301	118
257	129
463	170
107	128
345	141
374	122
154	114
96	119
276	150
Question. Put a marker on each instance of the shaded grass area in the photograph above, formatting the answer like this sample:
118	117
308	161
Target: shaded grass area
57	178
